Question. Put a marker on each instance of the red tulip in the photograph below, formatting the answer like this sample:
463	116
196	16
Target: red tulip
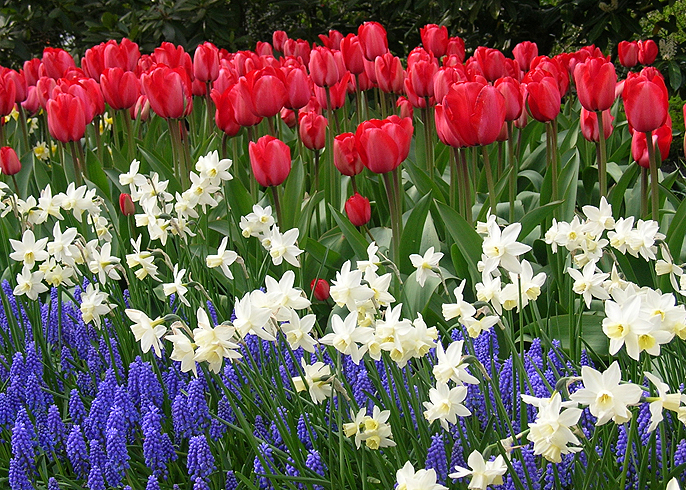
445	77
224	114
372	36
57	62
174	57
647	52
120	88
514	99
8	94
445	130
278	40
456	48
475	111
241	100
268	91
20	86
288	117
628	53
32	71
270	160
420	73
492	63
524	53
93	61
337	94
206	62
389	73
31	104
323	67
333	40
126	205
227	78
9	161
351	49
345	156
302	50
589	125
595	81
66	117
406	109
358	209
124	55
169	91
384	144
141	110
645	101
662	140
435	39
544	99
312	130
264	49
320	289
543	66
298	87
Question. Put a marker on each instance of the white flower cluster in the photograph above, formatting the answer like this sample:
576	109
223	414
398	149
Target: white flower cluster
372	322
163	213
639	318
281	246
374	430
58	260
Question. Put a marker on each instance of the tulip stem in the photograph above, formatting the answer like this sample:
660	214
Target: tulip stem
489	180
428	146
24	129
277	204
467	185
395	243
602	161
513	168
129	135
208	108
551	137
75	159
654	187
644	192
316	172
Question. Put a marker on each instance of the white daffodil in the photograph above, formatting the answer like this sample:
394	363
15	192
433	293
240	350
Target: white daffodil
297	331
223	258
598	219
449	365
503	248
28	250
146	331
550	433
29	283
446	404
605	396
347	290
184	349
426	264
317	380
284	296
214	344
283	247
666	400
589	283
177	286
460	308
483	473
94	304
409	479
346	335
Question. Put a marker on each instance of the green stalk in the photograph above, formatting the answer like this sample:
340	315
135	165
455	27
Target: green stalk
654	187
489	180
602	162
277	204
644	192
513	168
77	166
467	185
131	151
428	146
24	128
390	192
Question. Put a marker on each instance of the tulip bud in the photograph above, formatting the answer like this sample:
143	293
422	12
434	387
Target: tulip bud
645	101
313	130
595	84
647	52
404	107
288	117
373	39
524	53
126	205
435	39
384	144
345	156
589	125
278	40
320	288
9	161
270	159
358	209
628	53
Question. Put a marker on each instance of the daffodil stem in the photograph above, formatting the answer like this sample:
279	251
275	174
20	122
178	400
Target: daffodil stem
395	243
